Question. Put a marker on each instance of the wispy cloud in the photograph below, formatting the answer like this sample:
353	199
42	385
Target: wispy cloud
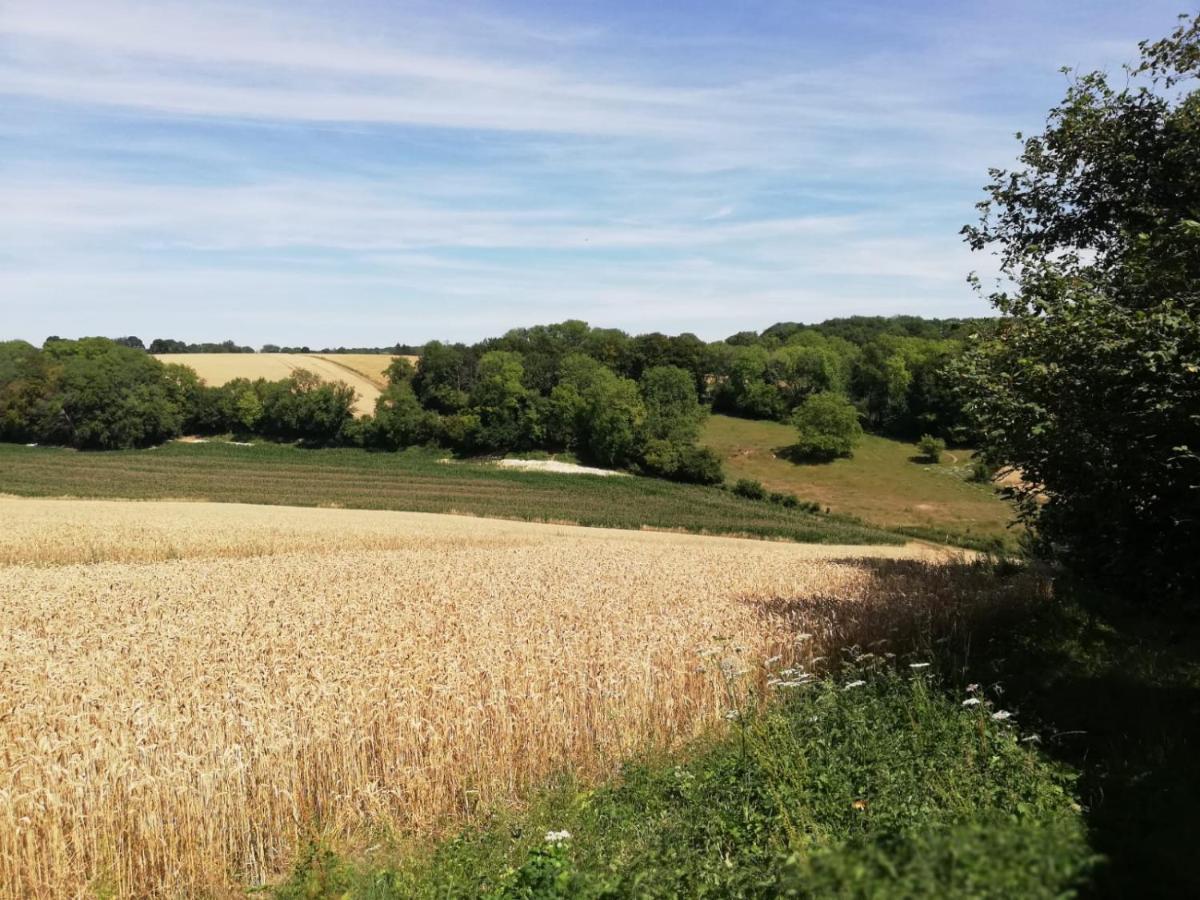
206	167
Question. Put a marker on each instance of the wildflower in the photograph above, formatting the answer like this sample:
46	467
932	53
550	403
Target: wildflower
733	669
855	684
918	665
972	688
557	837
1001	715
971	701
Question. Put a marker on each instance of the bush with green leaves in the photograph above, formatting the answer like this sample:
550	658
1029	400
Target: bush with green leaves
930	448
750	489
827	427
1091	386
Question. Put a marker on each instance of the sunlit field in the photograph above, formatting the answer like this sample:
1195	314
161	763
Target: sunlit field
361	371
190	690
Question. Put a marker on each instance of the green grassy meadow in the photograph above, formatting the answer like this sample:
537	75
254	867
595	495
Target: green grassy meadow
881	484
413	480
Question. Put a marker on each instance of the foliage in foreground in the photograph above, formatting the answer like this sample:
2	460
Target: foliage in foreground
876	786
1091	385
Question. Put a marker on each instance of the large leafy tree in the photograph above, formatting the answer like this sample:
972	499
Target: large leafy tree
1091	385
110	397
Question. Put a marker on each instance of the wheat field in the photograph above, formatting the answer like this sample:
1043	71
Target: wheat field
189	690
361	371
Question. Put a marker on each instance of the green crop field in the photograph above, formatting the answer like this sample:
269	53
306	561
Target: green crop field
413	480
881	484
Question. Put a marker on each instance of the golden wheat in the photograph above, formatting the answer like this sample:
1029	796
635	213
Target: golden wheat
365	376
188	690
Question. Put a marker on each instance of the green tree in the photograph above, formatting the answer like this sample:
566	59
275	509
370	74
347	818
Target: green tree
399	419
306	408
673	412
600	414
745	389
30	398
445	376
1091	385
499	398
827	427
113	397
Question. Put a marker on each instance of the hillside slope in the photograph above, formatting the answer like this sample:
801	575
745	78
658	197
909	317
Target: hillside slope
363	372
881	484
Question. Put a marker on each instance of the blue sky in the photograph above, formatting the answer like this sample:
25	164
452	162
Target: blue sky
363	173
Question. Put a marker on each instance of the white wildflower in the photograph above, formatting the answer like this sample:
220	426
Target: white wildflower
918	665
557	837
1001	714
972	688
971	701
854	684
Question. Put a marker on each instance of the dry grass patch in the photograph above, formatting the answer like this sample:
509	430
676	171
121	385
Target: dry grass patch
191	689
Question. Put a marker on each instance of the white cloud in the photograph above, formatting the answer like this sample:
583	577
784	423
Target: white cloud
443	171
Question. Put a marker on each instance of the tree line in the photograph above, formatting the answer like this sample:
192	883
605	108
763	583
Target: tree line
170	345
96	393
612	399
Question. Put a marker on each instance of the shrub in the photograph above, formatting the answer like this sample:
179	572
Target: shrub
827	427
750	489
930	448
791	501
981	472
683	462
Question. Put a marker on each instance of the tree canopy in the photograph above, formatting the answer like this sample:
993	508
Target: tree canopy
1090	386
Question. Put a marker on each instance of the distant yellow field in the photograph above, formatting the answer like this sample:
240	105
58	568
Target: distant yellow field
362	371
189	690
370	366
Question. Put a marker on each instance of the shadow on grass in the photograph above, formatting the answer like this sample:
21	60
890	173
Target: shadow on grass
1112	692
1116	694
794	454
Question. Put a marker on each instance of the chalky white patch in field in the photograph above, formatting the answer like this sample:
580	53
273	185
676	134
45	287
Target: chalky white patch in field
188	687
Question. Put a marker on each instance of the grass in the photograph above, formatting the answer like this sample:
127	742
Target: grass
889	789
881	484
1114	692
892	789
412	480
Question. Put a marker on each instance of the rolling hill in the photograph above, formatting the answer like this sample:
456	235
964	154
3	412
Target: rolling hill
362	371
